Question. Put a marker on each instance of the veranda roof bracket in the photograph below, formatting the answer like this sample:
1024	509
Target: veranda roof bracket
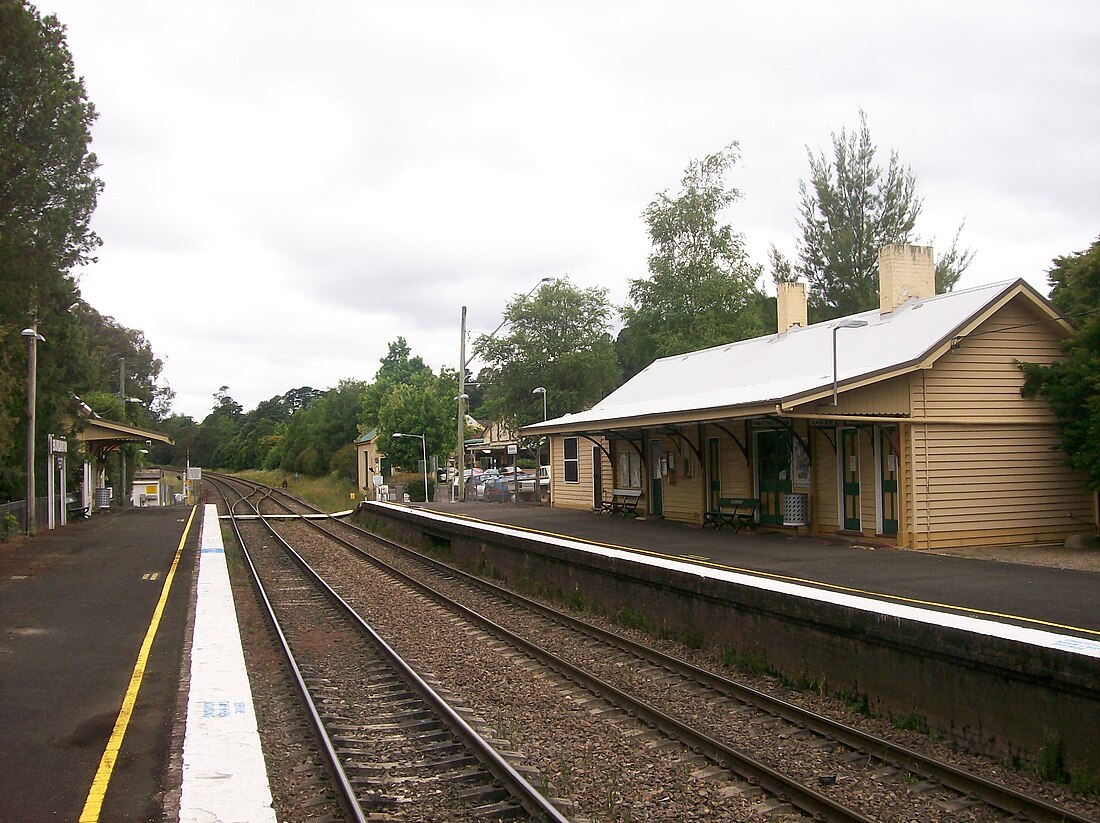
735	439
676	433
787	425
599	445
829	437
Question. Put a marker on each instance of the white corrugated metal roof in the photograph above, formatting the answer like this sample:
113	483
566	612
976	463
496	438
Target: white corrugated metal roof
776	367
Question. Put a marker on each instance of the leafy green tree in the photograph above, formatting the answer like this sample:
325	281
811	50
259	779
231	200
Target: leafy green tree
215	431
398	366
702	290
1072	386
182	429
422	405
848	211
108	347
318	431
558	338
48	191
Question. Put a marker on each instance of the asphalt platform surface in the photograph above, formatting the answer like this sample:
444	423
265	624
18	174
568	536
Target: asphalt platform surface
1054	599
76	604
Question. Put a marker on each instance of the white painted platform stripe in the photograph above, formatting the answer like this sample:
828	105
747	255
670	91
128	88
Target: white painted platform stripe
224	775
977	625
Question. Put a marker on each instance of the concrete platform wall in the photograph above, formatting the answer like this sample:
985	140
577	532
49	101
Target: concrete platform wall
996	696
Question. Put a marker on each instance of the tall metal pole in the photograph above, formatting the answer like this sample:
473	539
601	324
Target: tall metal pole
538	453
460	475
121	446
424	455
32	378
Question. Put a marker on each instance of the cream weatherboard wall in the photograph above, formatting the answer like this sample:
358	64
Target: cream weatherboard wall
579	495
987	469
976	462
736	471
824	497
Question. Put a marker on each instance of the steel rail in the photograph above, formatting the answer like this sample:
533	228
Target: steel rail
514	783
807	800
348	800
995	794
1005	798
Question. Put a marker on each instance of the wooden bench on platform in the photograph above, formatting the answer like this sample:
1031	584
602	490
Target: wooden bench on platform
623	501
732	511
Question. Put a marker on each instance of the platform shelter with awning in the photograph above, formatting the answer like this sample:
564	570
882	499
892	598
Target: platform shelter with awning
101	437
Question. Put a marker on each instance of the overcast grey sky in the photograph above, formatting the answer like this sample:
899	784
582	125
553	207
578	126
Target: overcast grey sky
290	186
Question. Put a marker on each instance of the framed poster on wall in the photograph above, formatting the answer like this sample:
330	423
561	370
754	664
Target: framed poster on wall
800	466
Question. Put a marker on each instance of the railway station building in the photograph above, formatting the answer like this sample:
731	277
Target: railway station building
904	424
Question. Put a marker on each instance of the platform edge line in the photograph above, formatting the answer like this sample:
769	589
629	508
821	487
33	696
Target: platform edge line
98	791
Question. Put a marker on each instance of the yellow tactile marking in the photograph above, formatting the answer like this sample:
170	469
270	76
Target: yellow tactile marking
94	804
770	575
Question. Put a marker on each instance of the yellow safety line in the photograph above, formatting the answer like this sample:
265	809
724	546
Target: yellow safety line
804	581
94	804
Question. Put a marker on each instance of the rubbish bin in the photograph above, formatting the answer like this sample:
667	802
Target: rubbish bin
796	509
103	497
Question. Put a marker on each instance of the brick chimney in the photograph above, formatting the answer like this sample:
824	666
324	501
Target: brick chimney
790	304
904	272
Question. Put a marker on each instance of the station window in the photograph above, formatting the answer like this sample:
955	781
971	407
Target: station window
630	469
571	460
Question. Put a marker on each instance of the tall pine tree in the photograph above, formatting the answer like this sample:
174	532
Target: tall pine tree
850	209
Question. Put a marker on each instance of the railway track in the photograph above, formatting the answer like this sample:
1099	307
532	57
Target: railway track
809	763
391	742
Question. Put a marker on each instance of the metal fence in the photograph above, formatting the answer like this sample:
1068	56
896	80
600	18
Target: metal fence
18	510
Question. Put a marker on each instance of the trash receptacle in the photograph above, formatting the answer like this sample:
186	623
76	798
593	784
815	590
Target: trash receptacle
795	509
103	497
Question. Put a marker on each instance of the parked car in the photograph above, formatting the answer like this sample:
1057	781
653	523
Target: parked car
495	490
527	482
473	484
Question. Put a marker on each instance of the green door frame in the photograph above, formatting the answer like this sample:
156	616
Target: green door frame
888	480
656	502
851	519
773	473
714	474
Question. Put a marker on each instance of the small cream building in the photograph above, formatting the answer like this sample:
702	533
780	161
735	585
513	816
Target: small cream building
368	460
929	443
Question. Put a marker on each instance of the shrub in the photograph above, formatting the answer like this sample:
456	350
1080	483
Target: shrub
416	491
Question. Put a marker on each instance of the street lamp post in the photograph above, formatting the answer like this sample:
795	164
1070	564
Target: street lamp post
33	339
424	455
538	455
541	390
848	324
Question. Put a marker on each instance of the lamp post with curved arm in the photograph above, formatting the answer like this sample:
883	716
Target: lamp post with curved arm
847	324
538	458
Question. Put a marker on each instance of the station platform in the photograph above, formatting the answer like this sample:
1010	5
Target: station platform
90	610
102	621
1035	596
